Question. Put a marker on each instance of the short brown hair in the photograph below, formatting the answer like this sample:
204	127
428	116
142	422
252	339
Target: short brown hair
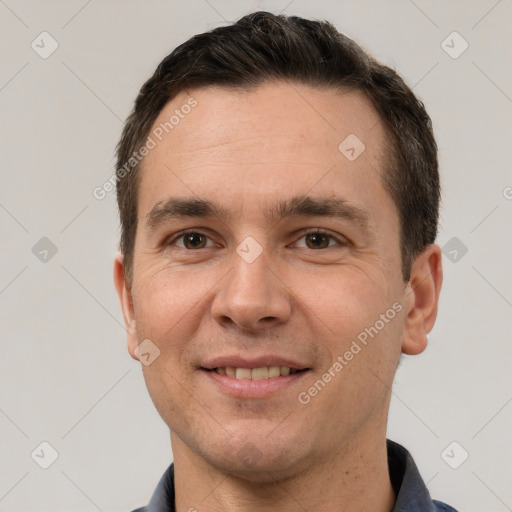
263	47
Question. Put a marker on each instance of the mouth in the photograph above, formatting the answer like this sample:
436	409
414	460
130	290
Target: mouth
261	373
253	380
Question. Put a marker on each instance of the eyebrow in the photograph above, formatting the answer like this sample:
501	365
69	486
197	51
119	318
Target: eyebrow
300	206
176	208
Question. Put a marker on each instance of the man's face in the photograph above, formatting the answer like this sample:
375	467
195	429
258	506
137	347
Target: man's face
296	254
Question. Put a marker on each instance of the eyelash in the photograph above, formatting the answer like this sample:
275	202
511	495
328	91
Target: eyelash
172	240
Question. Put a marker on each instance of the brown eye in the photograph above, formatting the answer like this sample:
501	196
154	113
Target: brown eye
192	241
317	240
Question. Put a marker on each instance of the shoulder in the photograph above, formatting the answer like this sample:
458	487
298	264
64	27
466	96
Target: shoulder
410	489
162	499
443	507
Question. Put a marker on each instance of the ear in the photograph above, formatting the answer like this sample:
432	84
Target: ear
125	298
422	298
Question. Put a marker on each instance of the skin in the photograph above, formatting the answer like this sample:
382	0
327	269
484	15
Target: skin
246	151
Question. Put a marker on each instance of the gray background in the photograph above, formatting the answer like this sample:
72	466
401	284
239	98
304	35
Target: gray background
66	376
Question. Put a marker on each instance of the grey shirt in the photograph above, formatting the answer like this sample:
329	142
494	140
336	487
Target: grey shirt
411	492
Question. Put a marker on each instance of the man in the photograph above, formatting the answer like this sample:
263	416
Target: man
278	193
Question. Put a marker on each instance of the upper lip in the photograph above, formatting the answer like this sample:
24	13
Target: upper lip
254	362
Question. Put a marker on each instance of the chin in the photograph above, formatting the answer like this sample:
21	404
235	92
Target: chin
257	461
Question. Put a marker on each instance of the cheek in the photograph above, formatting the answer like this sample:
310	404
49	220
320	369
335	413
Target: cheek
171	308
344	300
356	317
165	297
358	320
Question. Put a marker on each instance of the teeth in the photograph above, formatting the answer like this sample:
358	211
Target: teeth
243	373
274	371
259	373
265	372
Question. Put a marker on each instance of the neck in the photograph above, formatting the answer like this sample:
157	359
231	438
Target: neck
356	479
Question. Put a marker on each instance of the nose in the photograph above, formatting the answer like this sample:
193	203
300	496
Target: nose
252	296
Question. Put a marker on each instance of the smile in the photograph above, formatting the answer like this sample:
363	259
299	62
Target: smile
254	383
262	373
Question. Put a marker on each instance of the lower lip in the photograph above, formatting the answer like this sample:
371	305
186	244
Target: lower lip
248	388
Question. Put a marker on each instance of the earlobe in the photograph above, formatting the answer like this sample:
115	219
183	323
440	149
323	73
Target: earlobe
422	298
125	299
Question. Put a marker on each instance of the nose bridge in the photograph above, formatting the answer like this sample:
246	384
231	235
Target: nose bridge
251	295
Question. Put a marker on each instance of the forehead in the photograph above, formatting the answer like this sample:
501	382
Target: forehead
282	109
273	138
